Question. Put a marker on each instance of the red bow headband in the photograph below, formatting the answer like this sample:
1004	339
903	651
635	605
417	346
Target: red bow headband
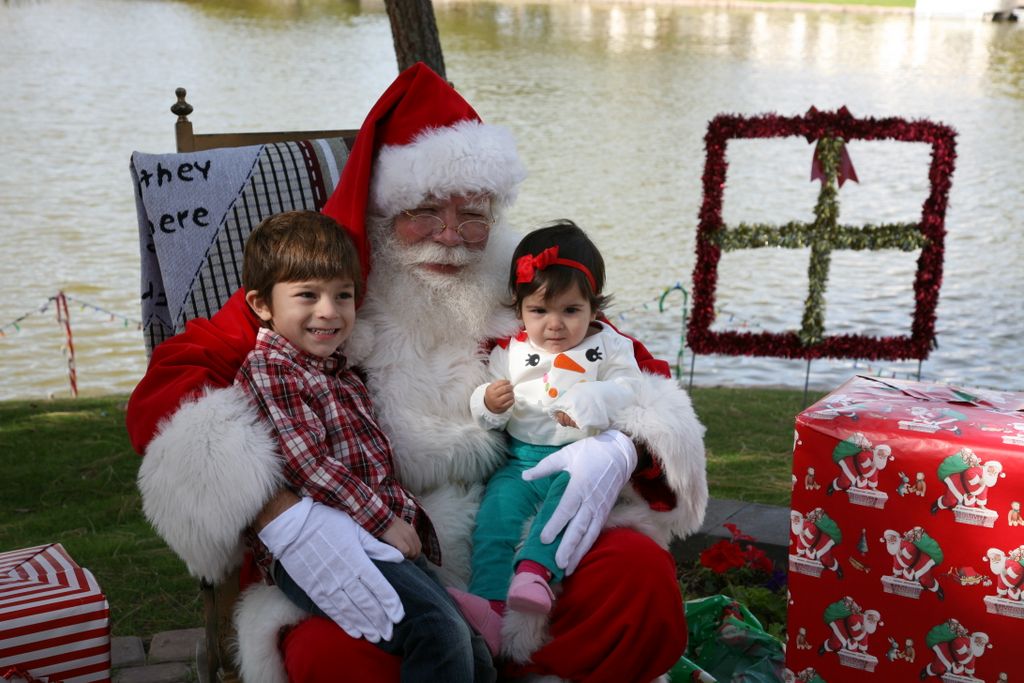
529	264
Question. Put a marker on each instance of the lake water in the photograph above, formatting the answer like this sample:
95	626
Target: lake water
610	104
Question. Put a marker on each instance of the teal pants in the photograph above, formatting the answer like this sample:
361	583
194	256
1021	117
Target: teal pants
508	503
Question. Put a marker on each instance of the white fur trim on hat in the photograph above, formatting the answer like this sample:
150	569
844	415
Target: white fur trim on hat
467	158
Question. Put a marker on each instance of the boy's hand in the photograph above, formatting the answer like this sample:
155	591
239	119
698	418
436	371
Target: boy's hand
563	419
403	536
499	396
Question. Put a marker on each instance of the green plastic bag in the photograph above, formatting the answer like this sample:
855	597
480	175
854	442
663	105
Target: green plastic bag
727	643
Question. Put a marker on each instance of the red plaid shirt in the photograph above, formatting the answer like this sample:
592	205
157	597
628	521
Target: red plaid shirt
334	452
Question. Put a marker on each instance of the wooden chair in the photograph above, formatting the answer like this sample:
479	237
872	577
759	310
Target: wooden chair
188	141
219	600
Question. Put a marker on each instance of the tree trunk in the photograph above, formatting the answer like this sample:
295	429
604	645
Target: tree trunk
414	30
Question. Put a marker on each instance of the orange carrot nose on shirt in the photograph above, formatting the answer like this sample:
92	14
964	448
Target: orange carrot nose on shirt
563	362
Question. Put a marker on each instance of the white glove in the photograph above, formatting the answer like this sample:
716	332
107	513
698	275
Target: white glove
328	555
598	467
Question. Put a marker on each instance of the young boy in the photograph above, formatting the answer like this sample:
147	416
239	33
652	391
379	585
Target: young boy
302	279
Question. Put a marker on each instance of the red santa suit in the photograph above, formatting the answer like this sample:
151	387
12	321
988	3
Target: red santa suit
818	536
849	626
964	477
848	633
916	556
954	649
952	656
1010	579
857	464
210	466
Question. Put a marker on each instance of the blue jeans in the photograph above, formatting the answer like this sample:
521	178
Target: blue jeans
433	640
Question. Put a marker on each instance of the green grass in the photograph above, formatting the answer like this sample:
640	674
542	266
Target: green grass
749	441
69	477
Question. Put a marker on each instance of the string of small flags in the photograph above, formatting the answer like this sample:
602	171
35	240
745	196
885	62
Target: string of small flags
127	321
14	326
60	300
739	321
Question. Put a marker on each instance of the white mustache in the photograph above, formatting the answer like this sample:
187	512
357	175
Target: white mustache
418	254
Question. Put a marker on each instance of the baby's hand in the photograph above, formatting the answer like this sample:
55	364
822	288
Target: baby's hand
563	419
499	396
401	535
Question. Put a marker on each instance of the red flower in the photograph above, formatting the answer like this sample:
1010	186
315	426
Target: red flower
737	535
730	554
757	559
722	556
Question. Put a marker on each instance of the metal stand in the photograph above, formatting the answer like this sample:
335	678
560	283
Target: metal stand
807	379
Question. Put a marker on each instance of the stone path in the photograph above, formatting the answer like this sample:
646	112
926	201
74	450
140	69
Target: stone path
768	524
171	656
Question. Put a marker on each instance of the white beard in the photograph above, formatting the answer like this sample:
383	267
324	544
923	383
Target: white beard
445	307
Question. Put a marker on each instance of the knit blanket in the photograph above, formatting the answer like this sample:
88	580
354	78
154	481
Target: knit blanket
196	209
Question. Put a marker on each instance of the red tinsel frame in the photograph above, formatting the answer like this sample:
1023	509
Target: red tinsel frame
815	125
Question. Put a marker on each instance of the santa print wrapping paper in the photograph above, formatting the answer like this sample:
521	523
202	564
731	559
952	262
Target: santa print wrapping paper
54	619
906	556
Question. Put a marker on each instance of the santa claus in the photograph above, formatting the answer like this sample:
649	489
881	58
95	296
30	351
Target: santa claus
433	302
915	555
1008	569
954	649
816	535
849	626
859	463
967	480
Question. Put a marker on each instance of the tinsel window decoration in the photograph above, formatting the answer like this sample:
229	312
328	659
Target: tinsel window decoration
831	130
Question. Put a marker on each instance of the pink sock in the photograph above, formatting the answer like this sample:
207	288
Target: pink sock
534	568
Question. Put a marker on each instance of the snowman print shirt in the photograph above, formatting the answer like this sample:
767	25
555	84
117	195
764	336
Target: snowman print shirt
590	383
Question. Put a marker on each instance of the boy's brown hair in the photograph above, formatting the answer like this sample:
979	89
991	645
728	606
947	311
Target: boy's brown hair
295	246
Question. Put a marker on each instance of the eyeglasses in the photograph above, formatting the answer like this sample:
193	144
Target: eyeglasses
429	225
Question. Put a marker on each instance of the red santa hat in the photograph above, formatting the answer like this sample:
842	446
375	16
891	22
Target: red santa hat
421	139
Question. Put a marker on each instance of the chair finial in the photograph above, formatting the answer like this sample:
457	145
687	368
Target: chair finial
181	107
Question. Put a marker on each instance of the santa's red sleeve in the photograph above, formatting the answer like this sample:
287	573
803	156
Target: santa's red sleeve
207	354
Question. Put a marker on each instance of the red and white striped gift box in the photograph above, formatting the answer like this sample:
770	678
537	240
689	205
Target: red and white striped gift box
54	619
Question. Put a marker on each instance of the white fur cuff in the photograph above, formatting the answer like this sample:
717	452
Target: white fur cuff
260	613
205	476
663	418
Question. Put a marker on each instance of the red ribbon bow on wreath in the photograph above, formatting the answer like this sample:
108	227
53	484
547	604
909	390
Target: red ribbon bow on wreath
845	171
528	265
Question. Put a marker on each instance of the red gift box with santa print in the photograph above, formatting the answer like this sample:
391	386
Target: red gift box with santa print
54	619
906	555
